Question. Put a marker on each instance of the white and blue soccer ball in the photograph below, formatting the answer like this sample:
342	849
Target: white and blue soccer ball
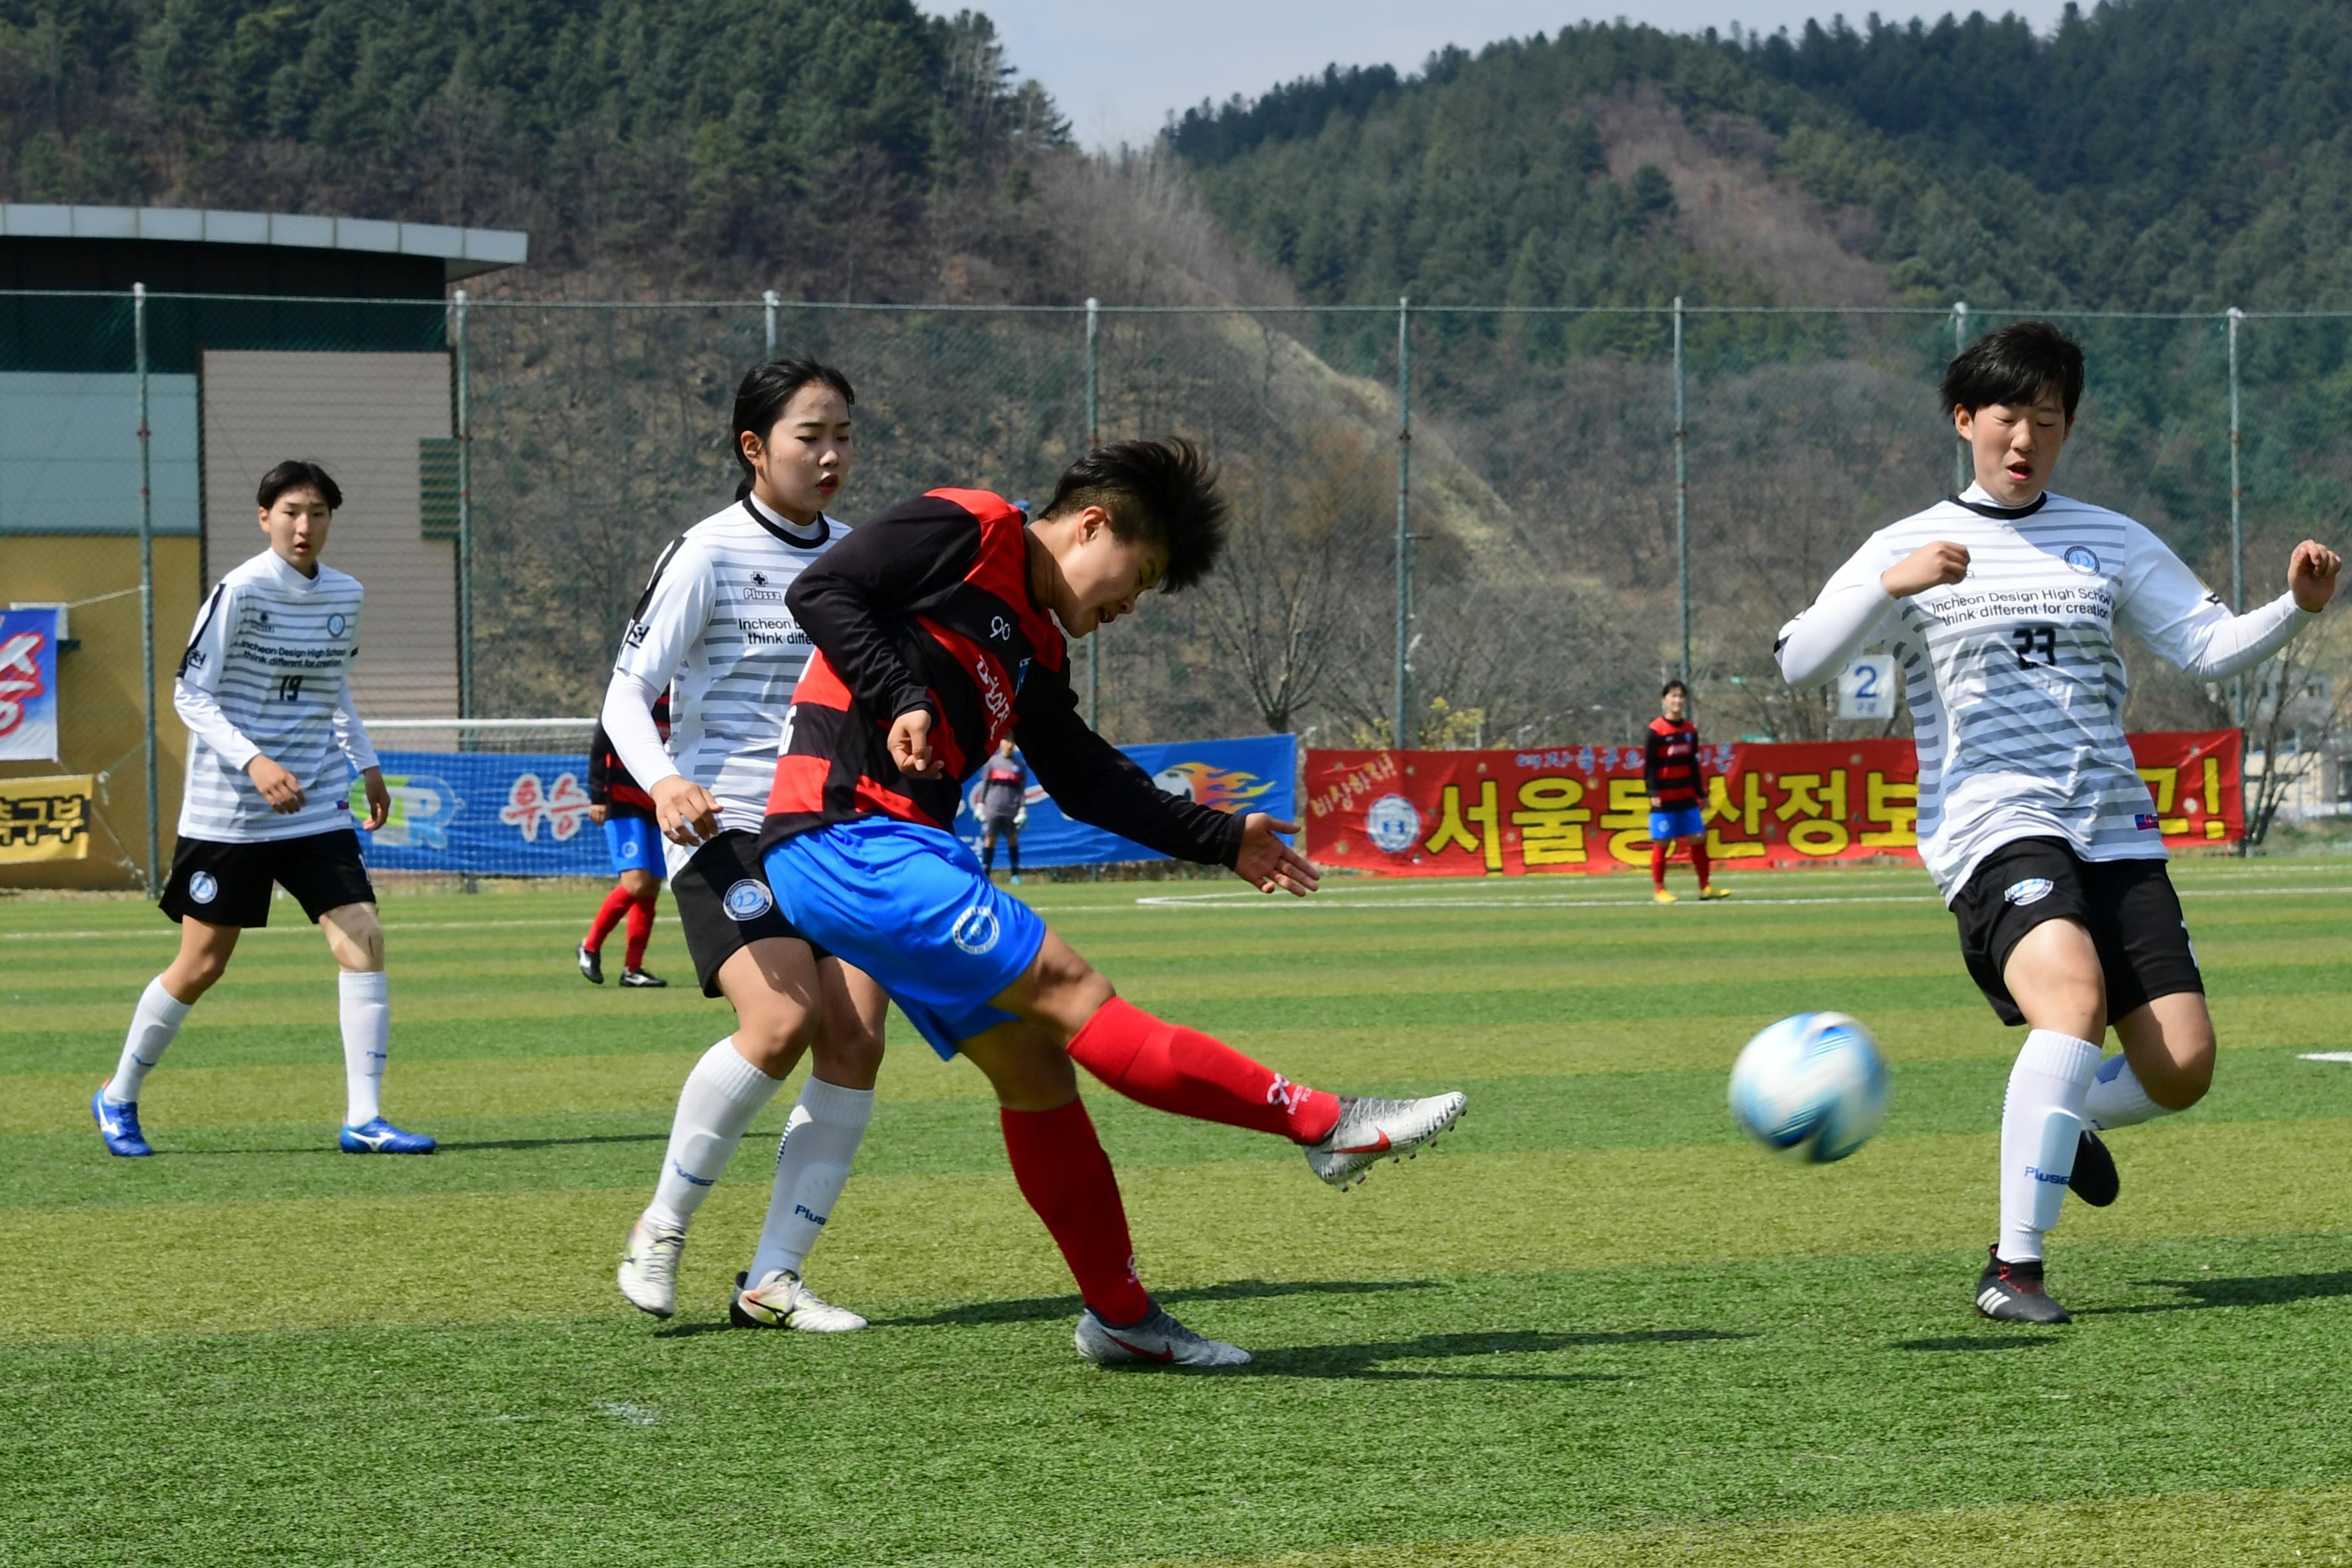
1812	1087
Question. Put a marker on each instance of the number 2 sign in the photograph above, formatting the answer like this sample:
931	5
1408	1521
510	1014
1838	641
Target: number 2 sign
1867	688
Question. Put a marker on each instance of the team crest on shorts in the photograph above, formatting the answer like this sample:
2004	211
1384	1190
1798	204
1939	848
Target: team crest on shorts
975	930
2081	558
748	899
2032	890
1392	823
202	889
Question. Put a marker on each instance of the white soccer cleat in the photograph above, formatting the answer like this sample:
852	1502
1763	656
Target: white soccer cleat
648	1276
782	1299
1158	1341
1369	1130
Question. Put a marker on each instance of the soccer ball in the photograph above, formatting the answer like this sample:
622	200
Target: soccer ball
1813	1086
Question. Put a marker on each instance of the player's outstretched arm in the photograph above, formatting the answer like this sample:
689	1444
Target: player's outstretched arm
1855	603
2165	607
1099	785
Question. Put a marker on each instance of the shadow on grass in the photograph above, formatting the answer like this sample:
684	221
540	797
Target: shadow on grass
1370	1361
1976	1343
561	1142
2258	1291
1037	1309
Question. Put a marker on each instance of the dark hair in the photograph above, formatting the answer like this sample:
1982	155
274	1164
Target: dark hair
1164	492
761	396
2012	365
291	475
1674	685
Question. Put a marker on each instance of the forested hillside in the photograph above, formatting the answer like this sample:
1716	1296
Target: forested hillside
2160	154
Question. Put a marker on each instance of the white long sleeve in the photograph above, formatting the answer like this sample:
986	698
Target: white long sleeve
628	718
195	690
1845	620
2167	607
351	735
201	712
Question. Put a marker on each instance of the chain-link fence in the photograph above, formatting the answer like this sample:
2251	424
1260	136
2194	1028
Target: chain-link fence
1461	525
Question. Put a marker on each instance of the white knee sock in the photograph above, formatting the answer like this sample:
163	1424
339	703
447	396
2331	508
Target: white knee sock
2117	1099
154	1027
811	1164
367	1036
722	1095
2039	1124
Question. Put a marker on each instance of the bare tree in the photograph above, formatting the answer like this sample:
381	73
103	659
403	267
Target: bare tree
2297	715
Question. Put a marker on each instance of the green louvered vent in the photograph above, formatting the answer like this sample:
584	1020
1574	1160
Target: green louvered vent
436	475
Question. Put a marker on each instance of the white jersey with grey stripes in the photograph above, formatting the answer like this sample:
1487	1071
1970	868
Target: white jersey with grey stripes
2016	689
713	627
265	674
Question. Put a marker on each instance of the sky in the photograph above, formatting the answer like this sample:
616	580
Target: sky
1118	67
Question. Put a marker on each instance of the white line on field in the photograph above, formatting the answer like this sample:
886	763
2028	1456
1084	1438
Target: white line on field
1224	900
2327	1056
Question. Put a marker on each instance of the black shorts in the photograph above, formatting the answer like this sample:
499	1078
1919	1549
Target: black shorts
229	884
2129	907
724	905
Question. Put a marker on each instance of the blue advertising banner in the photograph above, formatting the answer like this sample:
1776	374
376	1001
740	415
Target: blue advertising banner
1259	773
28	683
506	815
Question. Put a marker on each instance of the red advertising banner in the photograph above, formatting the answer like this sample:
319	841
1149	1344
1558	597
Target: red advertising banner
1585	808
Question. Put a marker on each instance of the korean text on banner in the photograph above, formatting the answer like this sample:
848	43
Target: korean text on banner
1256	773
28	683
1586	808
45	819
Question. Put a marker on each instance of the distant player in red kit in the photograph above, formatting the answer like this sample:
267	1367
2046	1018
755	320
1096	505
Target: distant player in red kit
621	804
1002	783
1670	766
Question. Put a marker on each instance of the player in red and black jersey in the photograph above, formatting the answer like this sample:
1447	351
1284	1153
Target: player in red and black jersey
1678	783
940	629
625	809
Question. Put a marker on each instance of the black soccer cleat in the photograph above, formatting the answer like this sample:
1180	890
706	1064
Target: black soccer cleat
2012	1293
638	980
2095	1179
592	966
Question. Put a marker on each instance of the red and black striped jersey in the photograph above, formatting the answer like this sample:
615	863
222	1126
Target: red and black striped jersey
610	783
1670	765
929	606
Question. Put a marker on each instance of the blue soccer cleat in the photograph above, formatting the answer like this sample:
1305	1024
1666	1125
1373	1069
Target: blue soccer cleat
380	1137
118	1125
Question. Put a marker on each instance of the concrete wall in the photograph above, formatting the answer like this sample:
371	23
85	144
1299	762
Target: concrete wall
101	719
359	416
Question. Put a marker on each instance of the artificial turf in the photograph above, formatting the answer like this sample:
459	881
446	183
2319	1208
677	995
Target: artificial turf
1592	1326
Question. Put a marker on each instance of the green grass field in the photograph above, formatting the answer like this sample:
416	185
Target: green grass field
1592	1326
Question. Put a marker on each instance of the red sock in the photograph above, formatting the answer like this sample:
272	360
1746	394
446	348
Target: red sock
1061	1170
1698	859
617	903
641	929
1658	865
1170	1067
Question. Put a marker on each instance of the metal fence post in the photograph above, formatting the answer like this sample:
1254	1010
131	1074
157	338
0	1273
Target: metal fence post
2237	521
1961	467
768	298
465	516
1682	491
1402	736
1094	440
147	591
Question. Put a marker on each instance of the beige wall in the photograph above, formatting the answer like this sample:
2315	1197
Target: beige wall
359	416
101	723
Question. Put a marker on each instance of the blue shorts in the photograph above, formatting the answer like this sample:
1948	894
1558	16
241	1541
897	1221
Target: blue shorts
1687	822
909	906
634	845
